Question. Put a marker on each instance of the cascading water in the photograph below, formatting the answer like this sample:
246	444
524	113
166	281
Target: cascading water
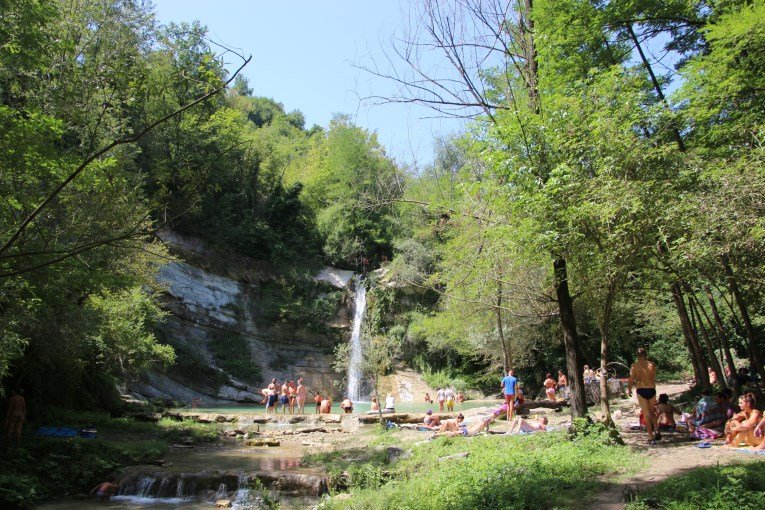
354	366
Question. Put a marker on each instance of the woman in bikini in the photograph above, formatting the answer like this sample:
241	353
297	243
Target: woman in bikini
665	413
549	385
292	395
741	428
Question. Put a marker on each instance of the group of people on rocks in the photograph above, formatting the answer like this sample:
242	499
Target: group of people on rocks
289	395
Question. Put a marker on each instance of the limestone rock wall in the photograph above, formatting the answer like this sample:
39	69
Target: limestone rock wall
208	297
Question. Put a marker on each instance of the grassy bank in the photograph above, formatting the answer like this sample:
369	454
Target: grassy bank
736	487
537	471
42	468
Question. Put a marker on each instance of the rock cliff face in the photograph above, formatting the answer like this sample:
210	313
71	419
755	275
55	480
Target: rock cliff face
213	298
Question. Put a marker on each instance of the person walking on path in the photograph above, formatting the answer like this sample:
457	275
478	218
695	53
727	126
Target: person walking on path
643	377
508	386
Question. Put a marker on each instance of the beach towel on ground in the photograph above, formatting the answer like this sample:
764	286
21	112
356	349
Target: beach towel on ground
56	432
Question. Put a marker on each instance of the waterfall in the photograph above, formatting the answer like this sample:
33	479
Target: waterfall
354	366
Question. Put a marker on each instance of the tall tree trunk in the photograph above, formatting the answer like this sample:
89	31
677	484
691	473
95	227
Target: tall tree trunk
714	363
723	340
605	331
690	340
751	335
507	359
570	338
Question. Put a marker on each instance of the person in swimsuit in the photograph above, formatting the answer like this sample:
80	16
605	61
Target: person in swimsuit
562	384
449	394
520	425
431	421
284	398
441	399
325	407
508	387
742	427
317	400
301	393
665	413
271	402
105	490
453	427
292	395
549	385
759	433
643	377
346	405
15	417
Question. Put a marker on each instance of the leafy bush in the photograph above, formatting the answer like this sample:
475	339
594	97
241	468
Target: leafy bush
584	429
58	467
232	353
446	378
499	472
736	487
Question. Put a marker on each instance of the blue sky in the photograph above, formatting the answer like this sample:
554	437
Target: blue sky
303	55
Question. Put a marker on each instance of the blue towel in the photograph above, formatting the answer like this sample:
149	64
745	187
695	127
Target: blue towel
56	432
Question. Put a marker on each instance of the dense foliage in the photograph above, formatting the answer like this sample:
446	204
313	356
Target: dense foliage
585	202
720	488
86	199
497	473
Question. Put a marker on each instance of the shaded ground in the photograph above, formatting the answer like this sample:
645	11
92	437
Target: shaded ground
676	454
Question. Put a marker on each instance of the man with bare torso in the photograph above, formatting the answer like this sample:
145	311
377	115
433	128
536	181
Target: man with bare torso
16	416
643	377
284	398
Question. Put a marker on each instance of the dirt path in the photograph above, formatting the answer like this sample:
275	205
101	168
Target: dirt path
676	454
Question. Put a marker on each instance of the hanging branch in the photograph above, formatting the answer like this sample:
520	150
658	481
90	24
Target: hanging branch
108	147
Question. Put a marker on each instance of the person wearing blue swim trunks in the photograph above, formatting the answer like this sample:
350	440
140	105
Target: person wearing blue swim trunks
643	376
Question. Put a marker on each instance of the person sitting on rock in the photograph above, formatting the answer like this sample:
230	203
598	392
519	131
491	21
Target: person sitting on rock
390	404
375	405
326	405
431	421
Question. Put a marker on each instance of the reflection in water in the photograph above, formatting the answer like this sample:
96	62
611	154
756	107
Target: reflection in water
279	464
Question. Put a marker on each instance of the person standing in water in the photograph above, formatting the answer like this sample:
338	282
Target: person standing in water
643	377
301	394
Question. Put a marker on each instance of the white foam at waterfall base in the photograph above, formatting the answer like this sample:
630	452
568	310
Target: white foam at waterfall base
354	366
147	501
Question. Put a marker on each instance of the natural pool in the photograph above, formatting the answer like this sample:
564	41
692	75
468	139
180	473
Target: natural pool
358	407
